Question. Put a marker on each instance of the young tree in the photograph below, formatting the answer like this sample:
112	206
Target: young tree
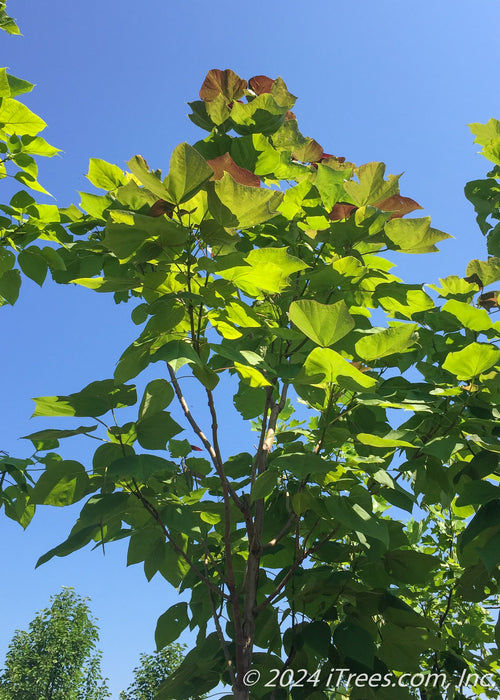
258	266
152	671
55	658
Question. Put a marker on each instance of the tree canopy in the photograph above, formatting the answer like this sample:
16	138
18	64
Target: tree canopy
55	658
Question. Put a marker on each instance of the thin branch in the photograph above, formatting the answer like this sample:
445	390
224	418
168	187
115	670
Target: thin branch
189	415
220	634
156	516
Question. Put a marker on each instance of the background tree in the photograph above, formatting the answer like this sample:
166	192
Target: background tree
56	658
152	671
258	265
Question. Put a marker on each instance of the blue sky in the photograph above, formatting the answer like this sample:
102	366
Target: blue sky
390	81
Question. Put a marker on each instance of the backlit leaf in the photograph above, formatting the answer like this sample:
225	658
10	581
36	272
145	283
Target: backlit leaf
188	171
322	323
472	360
239	206
387	342
105	176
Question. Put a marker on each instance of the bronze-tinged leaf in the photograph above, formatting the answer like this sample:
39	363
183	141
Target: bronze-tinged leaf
290	115
475	279
400	206
360	366
224	82
488	300
341	210
260	84
328	156
160	207
309	152
225	164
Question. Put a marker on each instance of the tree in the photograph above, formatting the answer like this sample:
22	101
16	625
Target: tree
258	268
56	658
152	671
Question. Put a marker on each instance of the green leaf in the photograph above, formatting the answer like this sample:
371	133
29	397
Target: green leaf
469	316
157	395
140	169
94	400
7	260
488	271
154	431
324	366
301	464
354	642
329	183
267	269
177	353
50	434
240	206
477	493
61	484
33	264
372	187
140	467
251	375
105	176
16	118
53	259
38	146
188	172
322	323
471	360
10	284
77	539
127	231
414	235
377	441
264	484
484	133
488	516
171	624
393	340
410	566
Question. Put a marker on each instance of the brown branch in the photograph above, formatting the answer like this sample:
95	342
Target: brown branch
222	639
189	415
227	495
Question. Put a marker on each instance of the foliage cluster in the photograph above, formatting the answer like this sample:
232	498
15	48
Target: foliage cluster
258	265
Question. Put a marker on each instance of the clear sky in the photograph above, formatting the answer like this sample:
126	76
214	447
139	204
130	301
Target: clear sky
390	81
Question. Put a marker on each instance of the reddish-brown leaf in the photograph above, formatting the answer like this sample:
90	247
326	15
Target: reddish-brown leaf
341	210
225	164
398	205
224	82
197	449
160	207
327	156
290	115
260	84
488	300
